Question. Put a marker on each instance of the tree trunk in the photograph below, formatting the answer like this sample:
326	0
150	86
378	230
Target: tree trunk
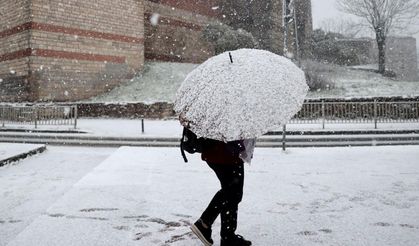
381	42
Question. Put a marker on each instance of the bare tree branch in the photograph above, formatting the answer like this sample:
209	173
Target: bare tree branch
383	17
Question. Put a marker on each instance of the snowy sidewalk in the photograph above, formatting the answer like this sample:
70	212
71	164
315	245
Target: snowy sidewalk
31	187
10	152
166	133
331	196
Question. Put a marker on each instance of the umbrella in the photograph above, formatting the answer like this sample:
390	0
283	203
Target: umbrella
240	94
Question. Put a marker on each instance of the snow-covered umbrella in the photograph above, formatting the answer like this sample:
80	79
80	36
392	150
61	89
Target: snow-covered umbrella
241	96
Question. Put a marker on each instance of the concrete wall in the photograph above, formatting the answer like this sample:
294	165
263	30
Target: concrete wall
401	57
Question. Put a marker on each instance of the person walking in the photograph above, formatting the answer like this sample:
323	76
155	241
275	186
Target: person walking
227	161
235	101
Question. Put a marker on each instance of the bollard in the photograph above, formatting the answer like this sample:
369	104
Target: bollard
375	113
36	116
323	114
284	135
3	116
75	116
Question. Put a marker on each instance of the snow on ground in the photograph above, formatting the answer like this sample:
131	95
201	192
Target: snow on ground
9	150
171	128
31	186
148	196
161	80
357	83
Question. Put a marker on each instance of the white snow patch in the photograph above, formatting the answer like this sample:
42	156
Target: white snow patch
161	80
158	83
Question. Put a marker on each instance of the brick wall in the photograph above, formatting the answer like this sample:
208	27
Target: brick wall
84	48
176	35
73	49
14	42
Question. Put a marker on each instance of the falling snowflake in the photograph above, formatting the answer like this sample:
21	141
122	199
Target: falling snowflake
289	55
154	19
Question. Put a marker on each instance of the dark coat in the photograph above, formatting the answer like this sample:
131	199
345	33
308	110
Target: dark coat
218	152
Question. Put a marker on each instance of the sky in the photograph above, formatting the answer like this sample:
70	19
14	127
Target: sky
326	9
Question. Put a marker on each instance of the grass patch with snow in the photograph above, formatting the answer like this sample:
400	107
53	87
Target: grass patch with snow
160	81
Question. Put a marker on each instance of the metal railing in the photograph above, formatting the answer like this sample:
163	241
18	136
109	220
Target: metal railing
38	115
320	112
357	112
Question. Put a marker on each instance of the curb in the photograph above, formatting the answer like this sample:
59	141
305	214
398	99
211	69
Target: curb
265	143
40	131
22	156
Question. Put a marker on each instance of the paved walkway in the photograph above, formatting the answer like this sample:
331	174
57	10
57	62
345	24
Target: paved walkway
166	133
302	197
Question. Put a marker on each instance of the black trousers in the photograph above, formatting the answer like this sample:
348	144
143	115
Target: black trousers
225	202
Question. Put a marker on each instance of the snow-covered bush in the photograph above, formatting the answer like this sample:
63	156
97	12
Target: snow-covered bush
328	49
226	38
318	75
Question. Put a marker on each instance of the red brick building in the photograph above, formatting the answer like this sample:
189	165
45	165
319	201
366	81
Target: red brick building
72	50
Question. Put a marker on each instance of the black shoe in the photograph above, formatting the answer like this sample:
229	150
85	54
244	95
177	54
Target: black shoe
204	234
235	240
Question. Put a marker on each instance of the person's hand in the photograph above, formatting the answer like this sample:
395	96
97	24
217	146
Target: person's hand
183	120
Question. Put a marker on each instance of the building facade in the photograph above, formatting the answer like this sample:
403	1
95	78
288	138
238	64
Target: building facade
68	50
